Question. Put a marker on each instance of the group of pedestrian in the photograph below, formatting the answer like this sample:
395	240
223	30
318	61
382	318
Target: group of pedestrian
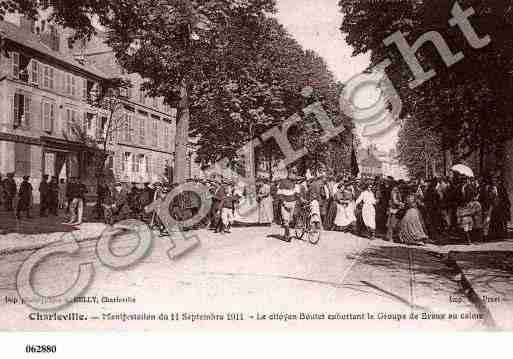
412	212
122	202
54	195
438	209
16	199
49	196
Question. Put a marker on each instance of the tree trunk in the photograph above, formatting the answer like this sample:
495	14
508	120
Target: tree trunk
182	135
270	168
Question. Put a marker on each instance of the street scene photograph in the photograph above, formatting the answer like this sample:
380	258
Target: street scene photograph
240	165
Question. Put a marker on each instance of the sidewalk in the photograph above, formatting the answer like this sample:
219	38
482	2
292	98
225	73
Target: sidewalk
26	234
489	273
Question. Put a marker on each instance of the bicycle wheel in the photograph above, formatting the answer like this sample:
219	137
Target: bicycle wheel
314	234
300	227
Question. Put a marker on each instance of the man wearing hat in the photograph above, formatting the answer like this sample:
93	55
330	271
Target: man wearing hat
317	189
116	203
226	197
25	198
147	195
10	189
77	204
43	196
288	193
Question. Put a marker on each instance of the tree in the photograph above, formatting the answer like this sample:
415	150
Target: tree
99	144
199	54
175	45
261	90
465	110
418	149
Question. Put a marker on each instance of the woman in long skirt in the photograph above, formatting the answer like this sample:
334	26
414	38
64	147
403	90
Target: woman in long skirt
412	229
265	204
368	200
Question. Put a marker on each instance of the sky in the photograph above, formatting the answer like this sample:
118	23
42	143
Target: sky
315	25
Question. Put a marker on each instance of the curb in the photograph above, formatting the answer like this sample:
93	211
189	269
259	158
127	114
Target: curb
11	251
470	292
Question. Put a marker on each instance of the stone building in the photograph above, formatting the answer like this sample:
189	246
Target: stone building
46	92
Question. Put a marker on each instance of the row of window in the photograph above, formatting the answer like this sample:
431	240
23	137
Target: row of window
132	129
142	98
141	164
47	77
50	78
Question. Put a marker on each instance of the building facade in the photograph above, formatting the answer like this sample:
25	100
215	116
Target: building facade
46	95
374	162
145	127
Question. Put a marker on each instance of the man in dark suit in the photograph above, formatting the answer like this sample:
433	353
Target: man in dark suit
25	198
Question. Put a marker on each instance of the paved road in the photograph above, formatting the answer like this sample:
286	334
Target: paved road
252	272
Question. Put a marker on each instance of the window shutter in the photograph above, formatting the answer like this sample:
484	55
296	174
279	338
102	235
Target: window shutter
46	111
129	128
27	110
68	122
79	87
68	84
118	164
35	75
16	119
97	123
56	79
84	122
52	77
40	74
43	116
84	89
148	165
62	82
52	117
16	65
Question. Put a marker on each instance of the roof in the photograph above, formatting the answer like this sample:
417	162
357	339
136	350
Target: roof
16	34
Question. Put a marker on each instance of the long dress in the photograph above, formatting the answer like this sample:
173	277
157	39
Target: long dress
345	213
265	204
368	210
412	227
246	208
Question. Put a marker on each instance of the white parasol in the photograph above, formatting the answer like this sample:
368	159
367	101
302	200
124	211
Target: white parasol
464	170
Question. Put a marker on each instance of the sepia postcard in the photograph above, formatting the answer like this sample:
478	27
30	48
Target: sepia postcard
335	165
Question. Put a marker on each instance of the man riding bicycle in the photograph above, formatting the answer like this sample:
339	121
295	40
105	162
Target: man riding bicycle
288	194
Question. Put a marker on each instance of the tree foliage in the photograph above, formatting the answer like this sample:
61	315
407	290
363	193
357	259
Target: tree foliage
466	105
227	61
418	149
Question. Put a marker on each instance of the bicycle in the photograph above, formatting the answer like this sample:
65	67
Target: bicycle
308	224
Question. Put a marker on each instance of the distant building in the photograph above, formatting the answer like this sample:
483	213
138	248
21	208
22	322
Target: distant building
373	162
371	167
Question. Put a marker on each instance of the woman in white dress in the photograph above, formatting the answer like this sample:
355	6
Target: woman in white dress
345	217
265	203
368	211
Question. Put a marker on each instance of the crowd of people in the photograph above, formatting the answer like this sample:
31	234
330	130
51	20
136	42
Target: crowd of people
54	195
414	212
